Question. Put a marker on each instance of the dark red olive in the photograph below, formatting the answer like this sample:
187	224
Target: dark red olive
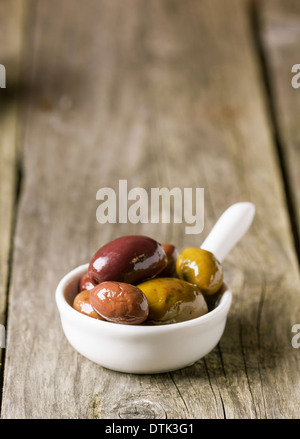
86	283
172	255
119	302
130	259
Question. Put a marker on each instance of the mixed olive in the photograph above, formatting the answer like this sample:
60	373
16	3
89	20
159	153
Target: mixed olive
135	280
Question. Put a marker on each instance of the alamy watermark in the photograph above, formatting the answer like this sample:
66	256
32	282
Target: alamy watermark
296	338
2	76
157	205
296	78
2	336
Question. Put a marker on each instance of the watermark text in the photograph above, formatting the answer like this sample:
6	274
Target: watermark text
157	205
2	336
296	78
296	338
2	76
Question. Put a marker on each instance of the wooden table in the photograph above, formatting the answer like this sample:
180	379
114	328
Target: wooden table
162	94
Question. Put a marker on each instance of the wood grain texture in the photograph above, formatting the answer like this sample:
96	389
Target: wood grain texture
161	93
280	35
11	19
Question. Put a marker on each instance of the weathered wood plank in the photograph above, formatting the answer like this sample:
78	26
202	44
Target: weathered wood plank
162	94
11	16
279	24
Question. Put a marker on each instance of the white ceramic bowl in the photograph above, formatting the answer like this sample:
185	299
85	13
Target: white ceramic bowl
136	348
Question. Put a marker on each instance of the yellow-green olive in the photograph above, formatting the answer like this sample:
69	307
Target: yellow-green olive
172	300
200	267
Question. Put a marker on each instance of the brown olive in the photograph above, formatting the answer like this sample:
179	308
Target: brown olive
86	283
129	259
172	255
119	302
201	268
82	304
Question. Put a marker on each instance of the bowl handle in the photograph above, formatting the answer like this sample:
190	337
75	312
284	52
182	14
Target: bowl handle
229	229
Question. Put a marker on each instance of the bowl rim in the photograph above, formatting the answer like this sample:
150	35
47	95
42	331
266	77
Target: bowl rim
67	310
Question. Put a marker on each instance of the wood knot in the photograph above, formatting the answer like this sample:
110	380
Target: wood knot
142	409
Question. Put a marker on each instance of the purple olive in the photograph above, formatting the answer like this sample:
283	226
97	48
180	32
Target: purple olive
119	302
129	259
172	255
86	283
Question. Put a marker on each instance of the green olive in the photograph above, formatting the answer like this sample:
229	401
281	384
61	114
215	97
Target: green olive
200	267
172	300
